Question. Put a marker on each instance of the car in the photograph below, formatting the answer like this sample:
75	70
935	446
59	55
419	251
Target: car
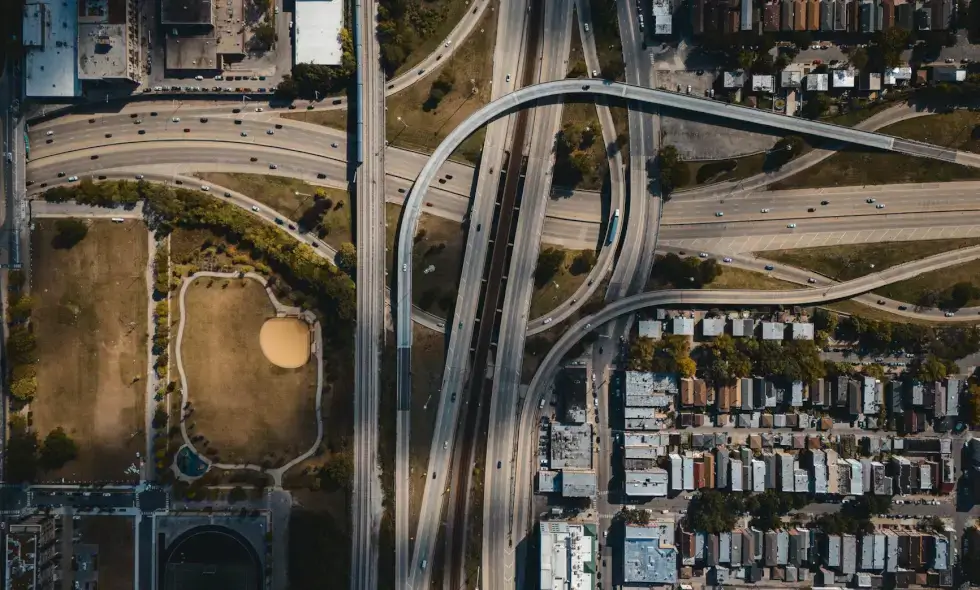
48	141
405	267
321	175
178	182
61	174
44	184
949	314
108	135
269	132
825	202
811	280
227	194
445	445
765	210
49	133
949	60
595	74
719	213
279	221
273	166
586	86
258	109
702	254
810	210
253	159
72	178
278	125
204	119
508	78
421	71
102	177
881	302
236	110
586	27
205	188
187	130
198	78
880	206
139	177
95	157
138	122
91	120
791	225
175	119
870	200
498	464
727	259
219	78
254	208
769	267
547	321
238	121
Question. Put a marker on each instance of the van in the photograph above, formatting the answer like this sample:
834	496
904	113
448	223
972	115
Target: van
541	404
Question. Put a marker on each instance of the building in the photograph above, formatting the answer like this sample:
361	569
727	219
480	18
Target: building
571	446
748	16
733	79
827	15
942	14
711	327
841	9
842	78
578	484
317	32
848	557
650	390
651	483
649	556
50	44
573	383
662	17
683	326
697	17
787	14
108	41
813	15
650	329
770	16
743	327
904	14
948	74
763	83
773	330
799	15
790	79
802	330
568	555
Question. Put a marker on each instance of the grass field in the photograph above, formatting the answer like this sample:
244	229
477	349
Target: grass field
413	123
90	322
546	299
844	263
116	540
579	118
248	409
439	251
337	119
937	281
428	361
875	313
738	278
280	194
860	166
447	13
712	171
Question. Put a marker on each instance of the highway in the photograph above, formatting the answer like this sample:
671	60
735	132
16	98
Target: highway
498	555
369	212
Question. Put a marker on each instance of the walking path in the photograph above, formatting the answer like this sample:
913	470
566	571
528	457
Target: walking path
281	310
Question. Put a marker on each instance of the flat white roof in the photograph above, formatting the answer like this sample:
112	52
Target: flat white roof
567	558
51	66
317	31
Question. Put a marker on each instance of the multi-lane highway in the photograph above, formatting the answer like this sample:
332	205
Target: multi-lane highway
369	179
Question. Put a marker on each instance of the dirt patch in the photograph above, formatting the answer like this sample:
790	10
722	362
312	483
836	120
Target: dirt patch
114	535
285	342
90	322
246	408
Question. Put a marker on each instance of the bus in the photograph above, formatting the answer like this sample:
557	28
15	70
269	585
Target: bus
613	225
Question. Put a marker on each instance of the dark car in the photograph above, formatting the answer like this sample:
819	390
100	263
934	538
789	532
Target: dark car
810	209
108	135
238	121
178	182
769	267
101	177
498	464
30	182
153	114
253	159
824	202
187	130
337	101
61	175
278	125
95	157
142	131
236	110
91	120
134	115
228	195
44	184
321	175
903	307
204	119
49	141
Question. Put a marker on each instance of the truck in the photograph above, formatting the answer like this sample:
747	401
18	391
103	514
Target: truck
613	225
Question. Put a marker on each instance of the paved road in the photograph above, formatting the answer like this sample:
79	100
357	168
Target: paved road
544	123
369	334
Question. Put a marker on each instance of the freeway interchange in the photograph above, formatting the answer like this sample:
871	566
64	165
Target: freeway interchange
307	152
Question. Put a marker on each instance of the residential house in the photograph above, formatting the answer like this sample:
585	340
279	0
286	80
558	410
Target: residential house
813	15
942	14
697	16
683	326
711	327
662	17
842	78
802	330
748	15
887	13
763	83
790	79
904	19
743	327
770	16
827	15
840	15
652	329
773	330
948	74
787	14
799	15
734	79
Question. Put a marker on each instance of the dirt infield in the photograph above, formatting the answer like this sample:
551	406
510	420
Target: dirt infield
248	409
90	322
285	342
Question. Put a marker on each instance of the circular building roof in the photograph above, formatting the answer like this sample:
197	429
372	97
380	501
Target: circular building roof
209	557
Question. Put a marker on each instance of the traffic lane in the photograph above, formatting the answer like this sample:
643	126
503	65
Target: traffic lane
58	499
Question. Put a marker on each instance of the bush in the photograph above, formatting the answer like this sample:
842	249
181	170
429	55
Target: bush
550	262
58	449
583	262
714	171
70	233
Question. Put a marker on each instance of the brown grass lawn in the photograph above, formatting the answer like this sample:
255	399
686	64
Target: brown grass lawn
737	278
279	193
844	263
861	166
247	408
709	171
423	128
428	361
549	297
90	322
116	540
337	119
440	251
873	313
912	290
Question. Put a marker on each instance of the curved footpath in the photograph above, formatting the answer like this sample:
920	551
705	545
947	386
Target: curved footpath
547	371
278	472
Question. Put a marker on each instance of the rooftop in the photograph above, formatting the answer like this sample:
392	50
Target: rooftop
648	557
51	47
571	446
103	52
186	12
567	556
192	53
318	25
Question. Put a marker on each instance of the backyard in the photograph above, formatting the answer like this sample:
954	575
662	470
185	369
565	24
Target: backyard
245	408
90	320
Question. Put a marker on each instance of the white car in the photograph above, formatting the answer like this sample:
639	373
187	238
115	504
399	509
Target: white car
880	206
448	43
791	225
176	119
405	268
198	78
702	254
766	210
254	208
139	177
871	200
949	314
258	109
49	133
219	78
811	280
205	188
333	145
547	321
72	178
244	134
273	166
270	132
719	213
727	259
586	27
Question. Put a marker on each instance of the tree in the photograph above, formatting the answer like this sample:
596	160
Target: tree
338	471
641	353
973	404
785	150
441	86
20	310
874	370
21	456
714	511
346	259
265	35
859	58
959	295
583	262
70	232
815	105
686	366
673	172
550	262
57	450
637	516
24	389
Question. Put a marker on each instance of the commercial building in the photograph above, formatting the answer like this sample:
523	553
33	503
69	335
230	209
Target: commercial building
201	36
50	49
571	446
108	41
568	556
649	556
646	484
317	32
662	17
